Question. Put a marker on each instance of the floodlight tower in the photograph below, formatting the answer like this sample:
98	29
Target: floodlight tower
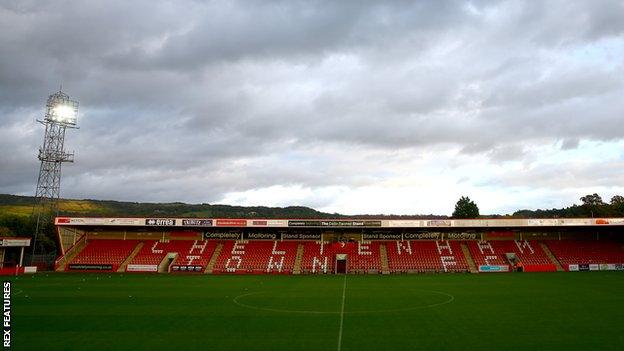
61	113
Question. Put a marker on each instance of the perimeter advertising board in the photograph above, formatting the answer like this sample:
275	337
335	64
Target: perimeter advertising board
197	222
332	223
273	223
100	221
186	268
493	269
91	267
231	222
142	268
15	242
160	222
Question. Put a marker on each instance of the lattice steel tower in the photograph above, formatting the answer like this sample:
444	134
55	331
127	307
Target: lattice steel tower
61	113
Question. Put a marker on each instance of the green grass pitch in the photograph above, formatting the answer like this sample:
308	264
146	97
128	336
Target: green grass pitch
540	311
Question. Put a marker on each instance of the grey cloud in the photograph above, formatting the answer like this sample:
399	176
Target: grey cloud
192	102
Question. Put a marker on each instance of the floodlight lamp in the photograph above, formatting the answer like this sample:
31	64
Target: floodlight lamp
64	113
61	109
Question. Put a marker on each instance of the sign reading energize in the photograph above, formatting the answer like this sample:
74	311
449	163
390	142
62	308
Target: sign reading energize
321	223
197	222
163	222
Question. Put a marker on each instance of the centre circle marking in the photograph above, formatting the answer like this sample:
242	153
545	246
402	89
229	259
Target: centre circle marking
237	300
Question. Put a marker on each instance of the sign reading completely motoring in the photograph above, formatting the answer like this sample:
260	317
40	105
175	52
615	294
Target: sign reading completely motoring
460	236
423	236
491	269
261	236
14	242
92	267
336	223
222	236
161	222
189	268
197	222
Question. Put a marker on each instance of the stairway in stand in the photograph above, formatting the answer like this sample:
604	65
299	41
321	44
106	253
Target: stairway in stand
471	264
552	257
122	266
383	253
298	259
213	259
71	253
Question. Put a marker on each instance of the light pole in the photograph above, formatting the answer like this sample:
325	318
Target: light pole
61	113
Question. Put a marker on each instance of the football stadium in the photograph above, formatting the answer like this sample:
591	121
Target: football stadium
267	284
280	175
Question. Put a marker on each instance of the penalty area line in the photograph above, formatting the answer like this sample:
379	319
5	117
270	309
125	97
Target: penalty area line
344	289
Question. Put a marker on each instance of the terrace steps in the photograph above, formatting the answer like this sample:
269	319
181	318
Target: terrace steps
213	259
298	259
469	260
383	253
552	257
122	266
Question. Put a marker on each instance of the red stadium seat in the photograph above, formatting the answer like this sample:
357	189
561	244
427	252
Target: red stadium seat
259	257
362	256
425	256
105	252
586	252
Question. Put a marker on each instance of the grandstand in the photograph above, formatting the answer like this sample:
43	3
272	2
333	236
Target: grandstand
264	246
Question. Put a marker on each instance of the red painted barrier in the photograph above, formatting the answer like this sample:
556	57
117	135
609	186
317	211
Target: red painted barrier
12	271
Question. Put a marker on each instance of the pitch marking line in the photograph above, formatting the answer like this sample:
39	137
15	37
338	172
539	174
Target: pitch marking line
344	289
237	301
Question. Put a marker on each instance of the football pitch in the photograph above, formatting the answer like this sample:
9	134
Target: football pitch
539	311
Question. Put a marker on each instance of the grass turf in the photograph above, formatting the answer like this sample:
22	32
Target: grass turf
547	311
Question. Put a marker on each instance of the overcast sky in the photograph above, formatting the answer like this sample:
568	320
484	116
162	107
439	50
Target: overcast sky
344	106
